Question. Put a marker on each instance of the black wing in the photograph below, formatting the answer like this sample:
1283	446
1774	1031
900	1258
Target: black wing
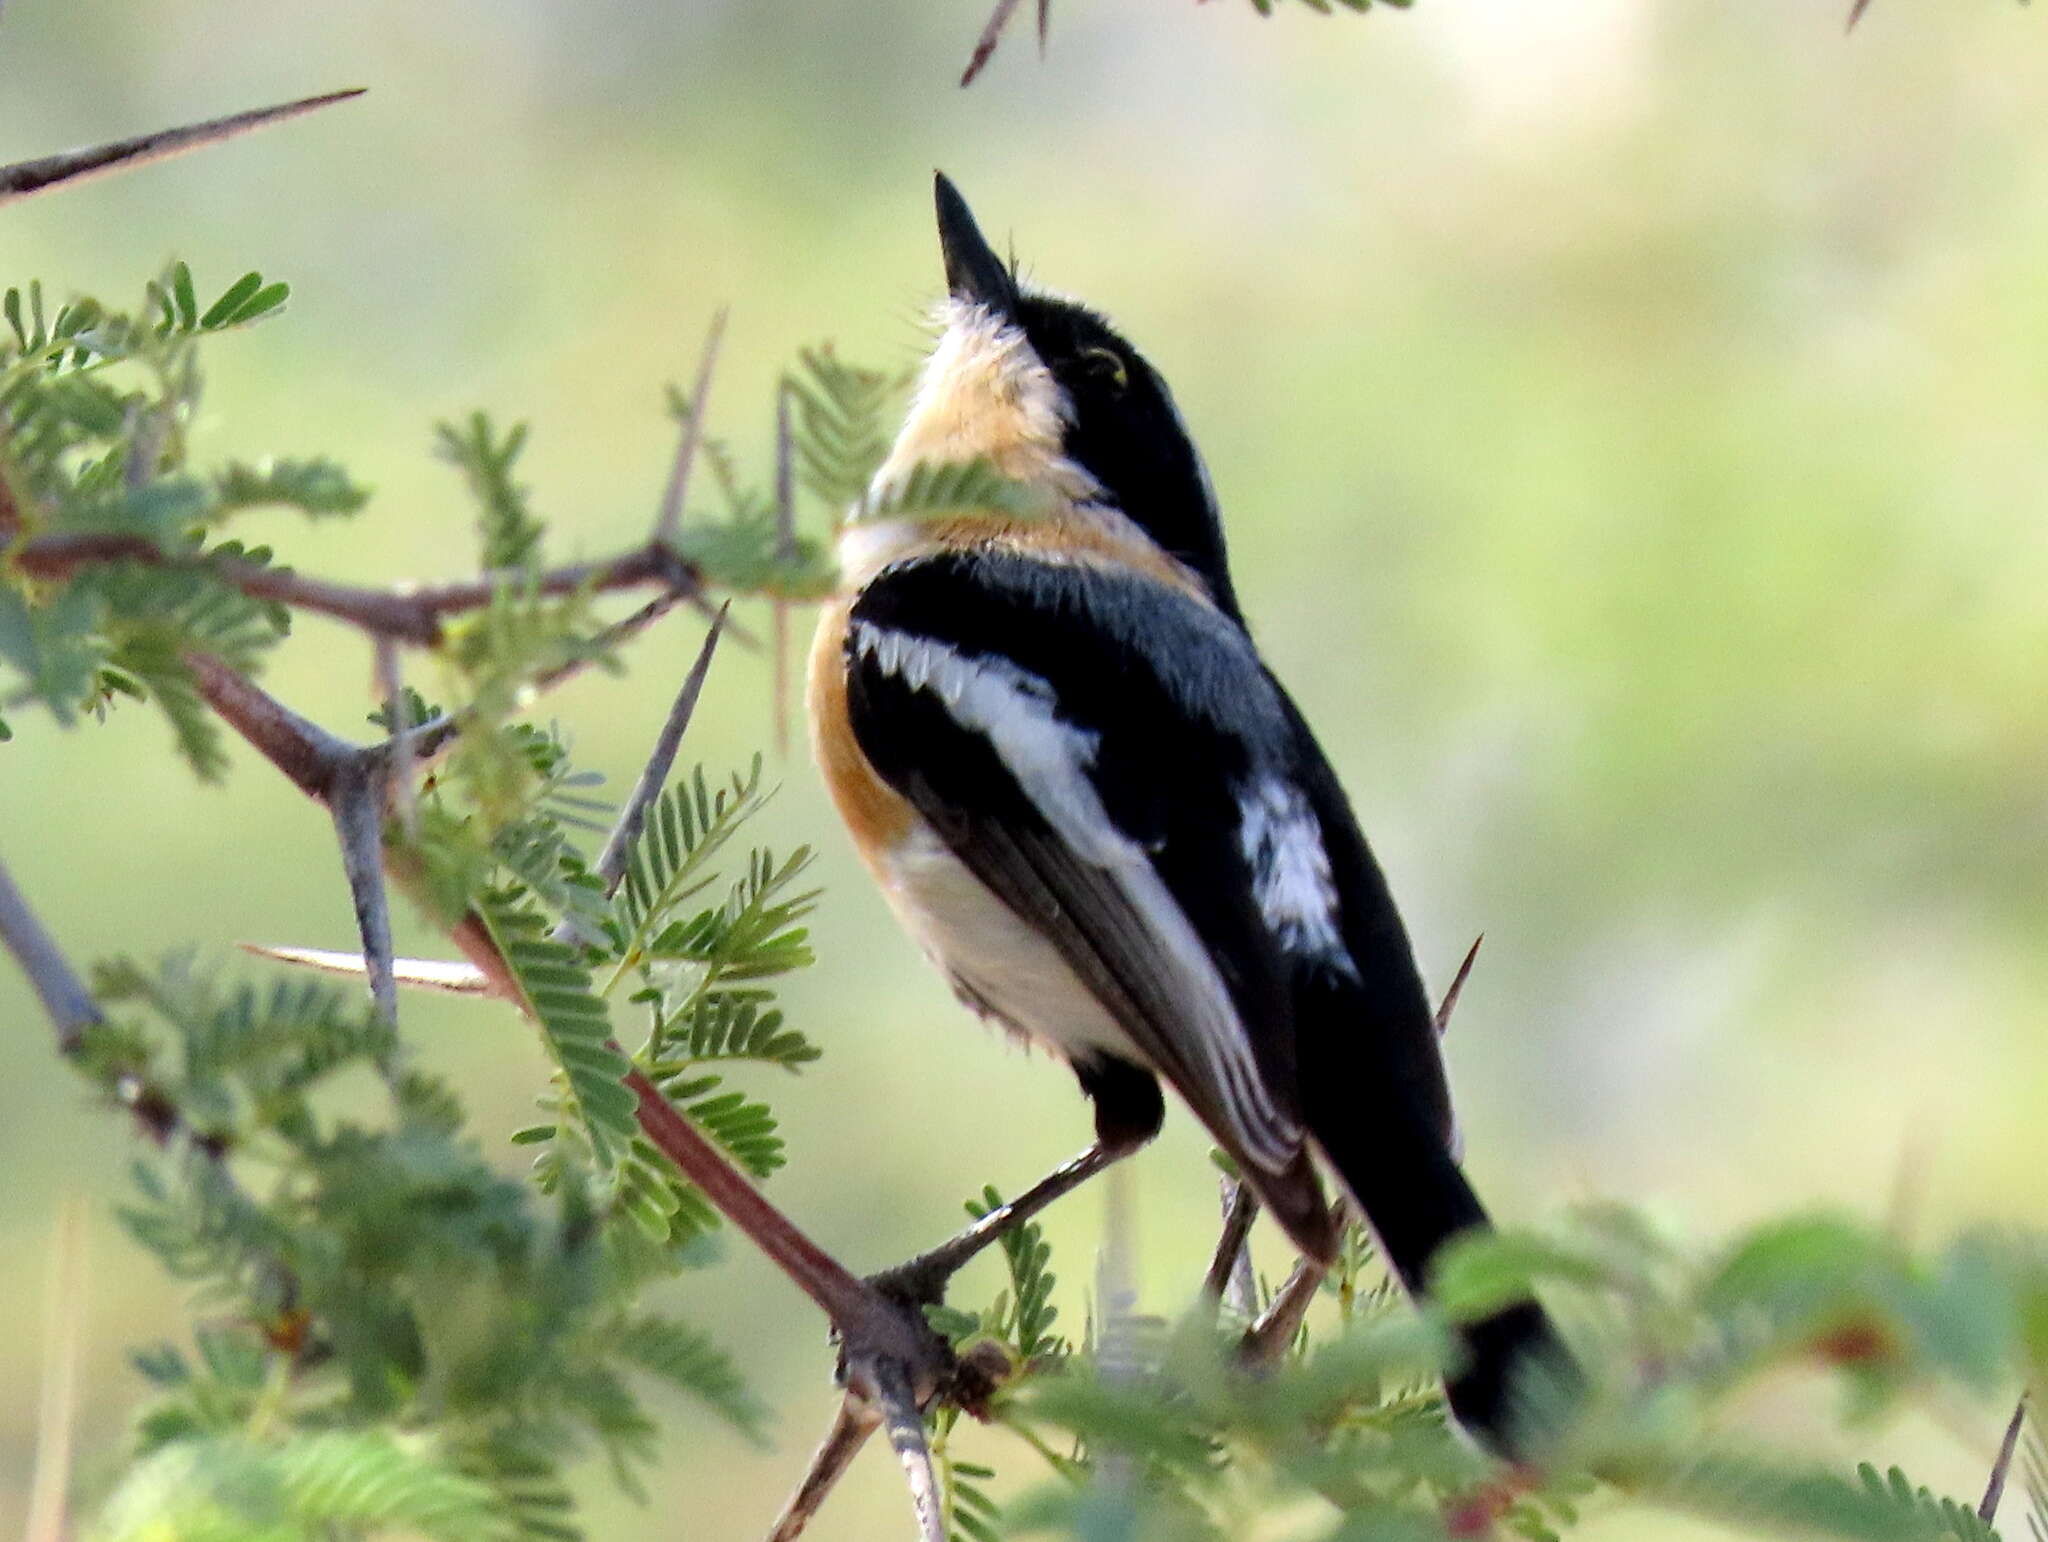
1108	755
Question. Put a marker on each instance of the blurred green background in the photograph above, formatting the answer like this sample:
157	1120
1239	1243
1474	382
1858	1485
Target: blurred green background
1632	421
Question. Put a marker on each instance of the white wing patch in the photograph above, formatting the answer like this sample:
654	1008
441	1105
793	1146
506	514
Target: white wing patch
1283	845
1014	709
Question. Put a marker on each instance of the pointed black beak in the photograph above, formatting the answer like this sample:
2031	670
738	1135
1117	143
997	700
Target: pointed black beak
973	270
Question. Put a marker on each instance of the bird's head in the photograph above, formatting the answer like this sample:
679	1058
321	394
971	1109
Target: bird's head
1048	392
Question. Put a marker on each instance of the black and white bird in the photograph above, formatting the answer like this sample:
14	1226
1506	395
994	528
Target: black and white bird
1095	809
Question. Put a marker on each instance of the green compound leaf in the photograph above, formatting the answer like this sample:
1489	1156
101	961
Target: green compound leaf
556	991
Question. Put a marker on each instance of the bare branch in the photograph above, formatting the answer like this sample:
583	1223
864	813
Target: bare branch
670	519
985	45
1240	1209
410	614
617	635
855	1421
302	750
1267	1339
26	177
817	1273
1994	1490
904	1424
62	993
348	781
432	739
1856	11
423	973
611	862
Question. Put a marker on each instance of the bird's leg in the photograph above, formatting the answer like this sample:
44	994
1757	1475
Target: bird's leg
1128	1112
924	1277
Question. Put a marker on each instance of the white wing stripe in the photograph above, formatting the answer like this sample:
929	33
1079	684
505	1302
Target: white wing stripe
1049	757
1283	846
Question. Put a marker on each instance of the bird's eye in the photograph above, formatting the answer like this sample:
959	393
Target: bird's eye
1109	362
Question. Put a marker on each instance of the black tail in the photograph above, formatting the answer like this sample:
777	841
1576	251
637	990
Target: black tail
1401	1174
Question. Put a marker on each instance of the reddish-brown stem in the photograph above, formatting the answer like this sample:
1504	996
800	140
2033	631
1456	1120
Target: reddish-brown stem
817	1273
410	614
820	1276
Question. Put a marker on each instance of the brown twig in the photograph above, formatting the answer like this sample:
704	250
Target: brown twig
852	1424
1994	1489
24	178
301	749
844	1299
63	994
1266	1340
409	614
1240	1209
1856	10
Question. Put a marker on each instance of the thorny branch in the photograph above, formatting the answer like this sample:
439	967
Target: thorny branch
891	1360
24	178
410	613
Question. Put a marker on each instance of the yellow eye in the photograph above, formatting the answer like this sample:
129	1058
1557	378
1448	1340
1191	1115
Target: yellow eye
1110	362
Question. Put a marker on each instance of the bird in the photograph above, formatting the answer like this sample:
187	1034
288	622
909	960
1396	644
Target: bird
1085	796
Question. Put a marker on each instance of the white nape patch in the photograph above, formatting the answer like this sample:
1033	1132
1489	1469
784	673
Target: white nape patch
1049	757
866	546
1283	844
